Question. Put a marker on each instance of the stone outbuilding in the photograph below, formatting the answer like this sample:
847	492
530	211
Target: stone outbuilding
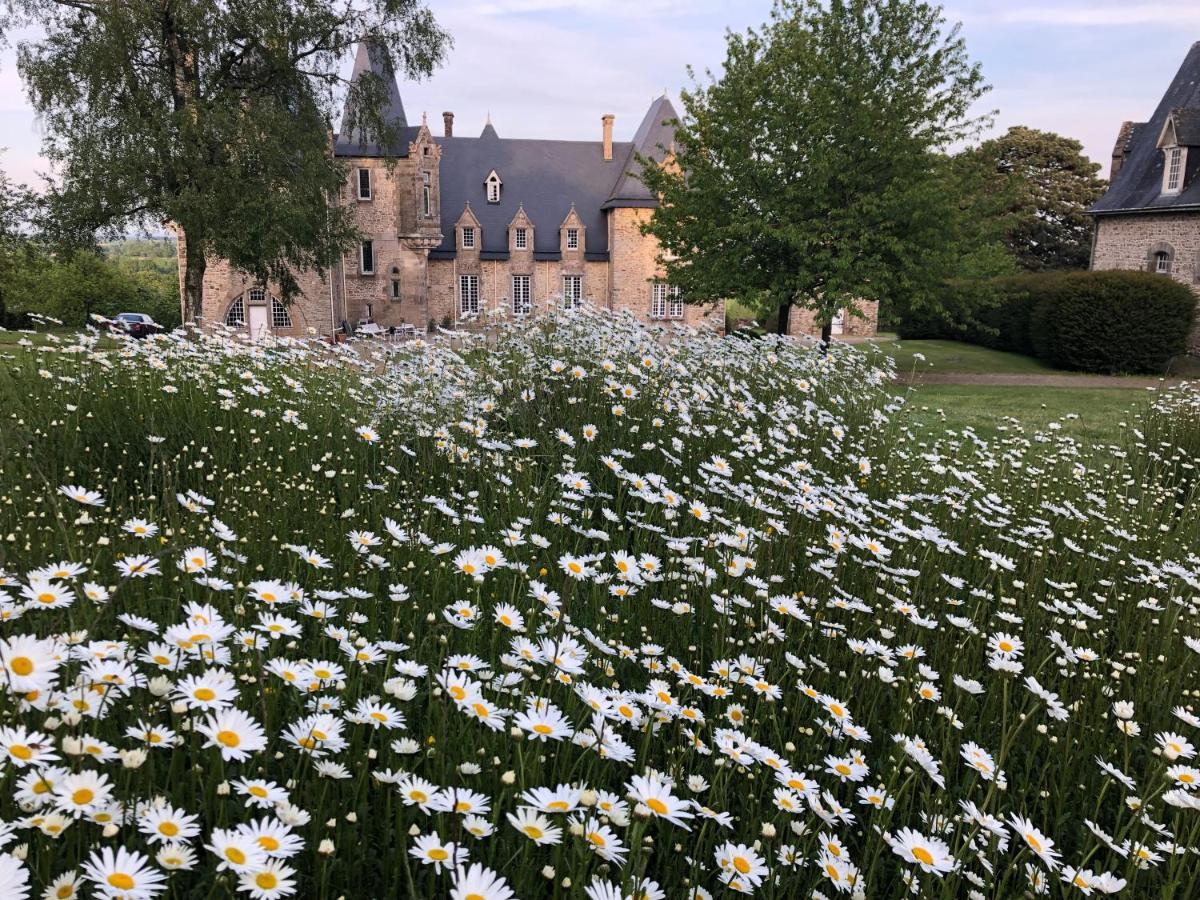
1149	218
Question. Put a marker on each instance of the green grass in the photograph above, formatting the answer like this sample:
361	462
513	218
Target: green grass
51	336
945	357
1092	415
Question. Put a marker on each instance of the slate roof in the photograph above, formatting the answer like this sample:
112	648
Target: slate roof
544	177
1138	185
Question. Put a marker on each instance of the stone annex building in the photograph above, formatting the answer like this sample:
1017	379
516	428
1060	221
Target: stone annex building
461	229
1150	217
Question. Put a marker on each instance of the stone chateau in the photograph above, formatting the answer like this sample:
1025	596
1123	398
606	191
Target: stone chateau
1150	217
459	230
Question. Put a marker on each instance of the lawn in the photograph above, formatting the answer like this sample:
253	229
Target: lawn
588	615
1091	415
918	357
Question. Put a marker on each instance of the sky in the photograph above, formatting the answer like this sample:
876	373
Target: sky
551	68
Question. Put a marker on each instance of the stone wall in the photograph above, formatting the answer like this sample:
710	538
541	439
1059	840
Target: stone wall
1130	242
865	324
633	263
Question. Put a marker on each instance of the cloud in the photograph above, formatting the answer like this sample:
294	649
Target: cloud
1078	15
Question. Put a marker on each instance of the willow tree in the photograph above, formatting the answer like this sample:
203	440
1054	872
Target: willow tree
213	115
812	172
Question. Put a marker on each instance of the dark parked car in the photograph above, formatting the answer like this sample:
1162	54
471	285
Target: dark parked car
136	324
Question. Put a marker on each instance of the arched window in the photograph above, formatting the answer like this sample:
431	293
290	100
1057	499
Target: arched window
279	315
1160	259
257	295
236	316
395	283
493	187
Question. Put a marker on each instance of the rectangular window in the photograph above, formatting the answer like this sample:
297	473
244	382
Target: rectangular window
468	295
521	241
366	259
395	287
572	291
427	194
666	301
1174	168
1162	262
520	295
468	238
364	184
572	238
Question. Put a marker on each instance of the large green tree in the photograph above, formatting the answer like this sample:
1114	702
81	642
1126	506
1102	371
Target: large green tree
213	115
812	171
1047	184
17	207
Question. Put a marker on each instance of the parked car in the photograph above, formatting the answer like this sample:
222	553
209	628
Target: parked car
136	324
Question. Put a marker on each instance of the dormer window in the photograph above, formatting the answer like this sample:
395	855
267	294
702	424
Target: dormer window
364	184
572	238
493	184
1173	170
521	239
468	237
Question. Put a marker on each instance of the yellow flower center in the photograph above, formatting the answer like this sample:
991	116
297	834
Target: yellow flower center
268	843
922	855
439	854
741	864
542	728
46	597
657	805
82	797
120	881
170	829
235	856
534	832
204	694
228	738
21	665
258	791
20	751
266	880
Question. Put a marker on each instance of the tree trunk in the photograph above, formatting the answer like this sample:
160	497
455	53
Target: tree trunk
826	334
785	315
193	282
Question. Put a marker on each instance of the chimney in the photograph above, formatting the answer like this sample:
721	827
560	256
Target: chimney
1121	148
607	119
448	119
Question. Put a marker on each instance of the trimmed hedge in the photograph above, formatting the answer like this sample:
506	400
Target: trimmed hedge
1107	322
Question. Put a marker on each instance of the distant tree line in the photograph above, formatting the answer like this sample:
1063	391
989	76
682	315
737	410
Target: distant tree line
70	283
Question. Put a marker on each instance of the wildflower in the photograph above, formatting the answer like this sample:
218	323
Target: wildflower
122	874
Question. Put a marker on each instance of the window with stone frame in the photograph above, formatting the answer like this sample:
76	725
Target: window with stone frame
1162	262
396	288
521	295
280	318
366	258
666	301
521	239
572	291
572	238
468	295
364	184
426	194
257	295
468	237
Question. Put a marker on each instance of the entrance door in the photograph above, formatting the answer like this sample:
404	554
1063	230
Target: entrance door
839	321
258	321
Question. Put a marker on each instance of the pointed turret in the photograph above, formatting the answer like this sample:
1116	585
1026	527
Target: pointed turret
653	139
372	57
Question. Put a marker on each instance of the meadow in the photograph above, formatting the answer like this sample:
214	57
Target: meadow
587	610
